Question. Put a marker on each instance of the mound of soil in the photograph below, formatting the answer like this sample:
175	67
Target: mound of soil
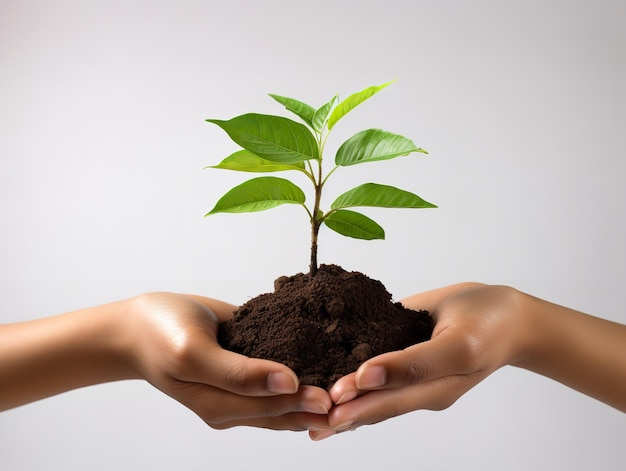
323	326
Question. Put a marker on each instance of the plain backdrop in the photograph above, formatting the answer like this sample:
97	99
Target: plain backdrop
102	196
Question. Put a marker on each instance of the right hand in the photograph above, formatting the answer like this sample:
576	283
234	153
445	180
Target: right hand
175	348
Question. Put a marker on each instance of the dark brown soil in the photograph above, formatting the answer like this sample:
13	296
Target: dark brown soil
323	327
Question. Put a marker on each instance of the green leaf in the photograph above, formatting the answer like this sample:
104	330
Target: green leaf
259	194
321	115
383	196
273	138
374	144
352	102
301	109
353	224
246	161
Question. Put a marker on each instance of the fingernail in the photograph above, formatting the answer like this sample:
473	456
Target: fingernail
344	427
348	396
372	377
281	383
314	407
319	436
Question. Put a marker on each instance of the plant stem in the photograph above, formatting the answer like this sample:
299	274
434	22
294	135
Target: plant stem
315	220
314	231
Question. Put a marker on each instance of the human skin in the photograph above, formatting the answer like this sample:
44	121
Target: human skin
168	340
479	329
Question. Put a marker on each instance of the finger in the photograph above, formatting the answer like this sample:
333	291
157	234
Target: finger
205	361
202	359
344	389
294	421
447	354
218	407
377	406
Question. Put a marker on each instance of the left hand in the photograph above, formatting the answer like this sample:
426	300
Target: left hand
478	329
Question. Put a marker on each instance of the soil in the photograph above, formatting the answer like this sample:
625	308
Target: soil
324	326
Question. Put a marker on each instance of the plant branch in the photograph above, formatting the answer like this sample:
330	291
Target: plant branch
329	174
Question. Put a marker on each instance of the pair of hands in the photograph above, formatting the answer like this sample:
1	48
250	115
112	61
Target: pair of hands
477	331
170	340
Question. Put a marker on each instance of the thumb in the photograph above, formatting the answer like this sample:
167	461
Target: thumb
238	373
444	355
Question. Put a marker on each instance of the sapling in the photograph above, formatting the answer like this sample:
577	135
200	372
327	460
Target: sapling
275	144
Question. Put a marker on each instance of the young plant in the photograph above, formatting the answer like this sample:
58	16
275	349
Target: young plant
275	144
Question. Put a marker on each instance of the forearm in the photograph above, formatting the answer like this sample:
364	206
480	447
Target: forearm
48	356
584	352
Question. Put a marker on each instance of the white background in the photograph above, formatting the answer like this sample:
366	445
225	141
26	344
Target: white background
102	196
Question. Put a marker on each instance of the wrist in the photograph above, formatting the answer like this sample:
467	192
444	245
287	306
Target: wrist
105	342
122	342
527	347
542	332
578	350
